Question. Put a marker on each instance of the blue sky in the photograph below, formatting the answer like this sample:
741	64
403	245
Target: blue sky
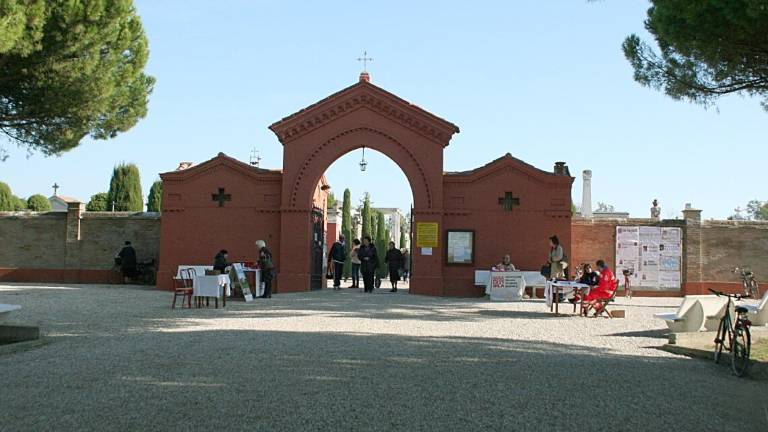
545	81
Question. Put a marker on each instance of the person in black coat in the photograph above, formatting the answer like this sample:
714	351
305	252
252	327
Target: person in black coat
369	261
267	267
394	260
220	261
336	258
127	257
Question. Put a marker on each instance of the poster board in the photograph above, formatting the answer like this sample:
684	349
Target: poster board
652	254
427	235
460	247
506	286
242	281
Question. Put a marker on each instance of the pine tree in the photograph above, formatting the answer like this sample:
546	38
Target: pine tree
381	243
38	203
125	189
155	198
346	228
98	202
366	216
7	200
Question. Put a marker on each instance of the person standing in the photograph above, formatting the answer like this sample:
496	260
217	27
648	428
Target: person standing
355	263
557	261
394	260
369	259
127	257
266	266
336	257
406	265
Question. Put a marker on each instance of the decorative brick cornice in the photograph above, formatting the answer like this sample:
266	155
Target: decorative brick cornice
364	95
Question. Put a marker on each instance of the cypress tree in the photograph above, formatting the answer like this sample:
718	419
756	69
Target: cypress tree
38	203
155	198
7	200
381	243
402	236
346	228
366	216
125	189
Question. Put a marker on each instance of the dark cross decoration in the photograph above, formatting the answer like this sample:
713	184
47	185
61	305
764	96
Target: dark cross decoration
221	197
55	189
365	59
508	201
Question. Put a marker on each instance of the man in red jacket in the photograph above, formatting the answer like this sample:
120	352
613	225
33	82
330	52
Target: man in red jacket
604	290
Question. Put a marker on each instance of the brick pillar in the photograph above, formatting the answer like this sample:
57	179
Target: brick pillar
74	214
692	252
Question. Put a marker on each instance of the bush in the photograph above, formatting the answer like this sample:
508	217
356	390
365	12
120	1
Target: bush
38	203
98	202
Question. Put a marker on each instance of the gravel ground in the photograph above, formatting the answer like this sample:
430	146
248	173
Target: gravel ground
118	358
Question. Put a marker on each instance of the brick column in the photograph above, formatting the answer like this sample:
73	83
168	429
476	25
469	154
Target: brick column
74	214
692	252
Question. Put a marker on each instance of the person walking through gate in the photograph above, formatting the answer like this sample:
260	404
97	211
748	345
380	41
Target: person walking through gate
355	263
369	259
336	258
394	260
127	258
406	264
266	266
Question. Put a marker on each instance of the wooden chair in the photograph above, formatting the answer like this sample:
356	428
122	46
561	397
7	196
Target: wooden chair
602	305
187	277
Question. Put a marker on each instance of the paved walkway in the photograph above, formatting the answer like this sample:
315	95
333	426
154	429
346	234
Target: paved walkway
118	358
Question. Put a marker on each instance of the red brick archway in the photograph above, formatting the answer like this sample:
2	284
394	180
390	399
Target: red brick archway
362	115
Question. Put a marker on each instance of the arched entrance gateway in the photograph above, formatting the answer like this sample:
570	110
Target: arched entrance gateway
509	206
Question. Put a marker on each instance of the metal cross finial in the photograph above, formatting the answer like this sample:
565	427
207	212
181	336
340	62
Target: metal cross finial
55	189
365	59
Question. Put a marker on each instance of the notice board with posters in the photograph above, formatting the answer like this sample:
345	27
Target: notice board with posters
652	254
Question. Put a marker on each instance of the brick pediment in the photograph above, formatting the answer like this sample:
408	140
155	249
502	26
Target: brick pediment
364	95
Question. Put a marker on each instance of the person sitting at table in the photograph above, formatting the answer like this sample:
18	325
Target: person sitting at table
220	263
604	290
586	276
505	265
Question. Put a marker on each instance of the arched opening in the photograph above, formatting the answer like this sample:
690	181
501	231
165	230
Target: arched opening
380	205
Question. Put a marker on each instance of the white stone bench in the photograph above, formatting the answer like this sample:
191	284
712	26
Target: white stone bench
758	314
714	310
6	309
689	317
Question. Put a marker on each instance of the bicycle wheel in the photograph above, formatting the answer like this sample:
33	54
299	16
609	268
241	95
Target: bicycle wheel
740	351
720	339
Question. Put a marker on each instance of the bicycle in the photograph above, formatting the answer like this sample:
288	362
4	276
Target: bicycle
748	282
734	336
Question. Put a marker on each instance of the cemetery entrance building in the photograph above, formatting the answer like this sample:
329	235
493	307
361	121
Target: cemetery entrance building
508	206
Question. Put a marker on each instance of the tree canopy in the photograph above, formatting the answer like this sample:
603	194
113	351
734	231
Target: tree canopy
98	202
125	189
707	48
38	203
70	69
7	200
155	198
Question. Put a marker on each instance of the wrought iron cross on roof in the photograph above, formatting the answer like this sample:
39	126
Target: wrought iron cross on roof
508	201
221	197
365	59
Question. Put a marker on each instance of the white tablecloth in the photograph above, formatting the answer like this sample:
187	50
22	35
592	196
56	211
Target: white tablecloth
565	287
210	286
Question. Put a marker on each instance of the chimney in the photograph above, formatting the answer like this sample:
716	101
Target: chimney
561	168
586	194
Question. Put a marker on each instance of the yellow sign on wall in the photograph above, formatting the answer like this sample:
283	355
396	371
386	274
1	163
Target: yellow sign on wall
427	234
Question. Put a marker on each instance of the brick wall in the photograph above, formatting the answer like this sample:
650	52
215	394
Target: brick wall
72	247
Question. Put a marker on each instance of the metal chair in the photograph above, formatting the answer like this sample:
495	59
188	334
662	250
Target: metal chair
187	277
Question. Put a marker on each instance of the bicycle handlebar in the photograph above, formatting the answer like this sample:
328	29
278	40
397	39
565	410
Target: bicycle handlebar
736	296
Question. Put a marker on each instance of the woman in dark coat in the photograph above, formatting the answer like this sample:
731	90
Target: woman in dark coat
369	261
394	260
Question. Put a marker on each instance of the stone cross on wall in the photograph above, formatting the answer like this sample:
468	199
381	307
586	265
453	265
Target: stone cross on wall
221	197
508	201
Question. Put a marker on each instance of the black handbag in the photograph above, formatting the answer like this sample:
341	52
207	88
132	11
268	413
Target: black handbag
546	270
